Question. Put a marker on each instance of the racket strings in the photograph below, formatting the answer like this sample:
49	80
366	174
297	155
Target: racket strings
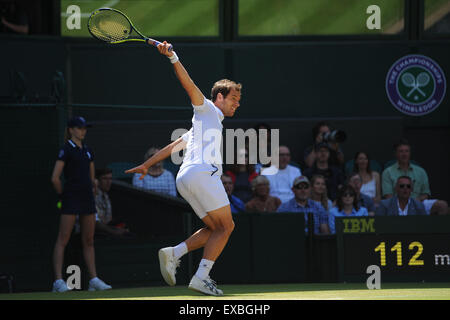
110	26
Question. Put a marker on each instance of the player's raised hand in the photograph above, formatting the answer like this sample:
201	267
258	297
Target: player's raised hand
165	48
139	169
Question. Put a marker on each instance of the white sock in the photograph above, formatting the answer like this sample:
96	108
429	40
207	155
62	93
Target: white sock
180	250
204	268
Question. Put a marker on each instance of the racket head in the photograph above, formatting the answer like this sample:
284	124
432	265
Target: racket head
408	79
112	26
422	79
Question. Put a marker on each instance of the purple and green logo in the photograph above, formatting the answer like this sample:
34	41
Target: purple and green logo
415	85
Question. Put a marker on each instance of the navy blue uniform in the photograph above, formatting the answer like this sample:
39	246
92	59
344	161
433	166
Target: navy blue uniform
77	197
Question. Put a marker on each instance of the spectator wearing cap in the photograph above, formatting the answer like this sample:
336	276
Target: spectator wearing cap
401	204
303	204
76	161
157	179
334	177
262	201
346	206
236	204
355	181
281	179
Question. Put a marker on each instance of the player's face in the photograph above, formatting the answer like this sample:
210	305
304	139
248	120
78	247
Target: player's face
231	103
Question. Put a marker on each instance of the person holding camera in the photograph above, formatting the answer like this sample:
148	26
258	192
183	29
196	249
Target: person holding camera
334	177
321	132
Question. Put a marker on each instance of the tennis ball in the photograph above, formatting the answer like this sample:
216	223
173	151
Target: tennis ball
59	205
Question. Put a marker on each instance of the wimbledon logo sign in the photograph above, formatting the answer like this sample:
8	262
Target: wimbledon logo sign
415	85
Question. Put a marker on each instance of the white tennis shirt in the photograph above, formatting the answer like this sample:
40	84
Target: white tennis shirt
205	137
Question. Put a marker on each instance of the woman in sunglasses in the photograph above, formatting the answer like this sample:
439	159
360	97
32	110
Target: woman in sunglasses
346	206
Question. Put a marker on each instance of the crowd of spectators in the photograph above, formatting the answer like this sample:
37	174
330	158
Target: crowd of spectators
324	188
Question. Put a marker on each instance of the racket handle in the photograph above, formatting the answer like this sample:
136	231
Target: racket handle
156	43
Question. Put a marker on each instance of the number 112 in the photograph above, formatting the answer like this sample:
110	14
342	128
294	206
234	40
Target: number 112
414	261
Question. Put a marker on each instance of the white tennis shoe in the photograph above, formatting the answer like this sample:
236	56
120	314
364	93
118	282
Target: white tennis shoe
168	265
60	286
96	284
206	286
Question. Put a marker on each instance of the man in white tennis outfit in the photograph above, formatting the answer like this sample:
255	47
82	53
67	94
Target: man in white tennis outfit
198	179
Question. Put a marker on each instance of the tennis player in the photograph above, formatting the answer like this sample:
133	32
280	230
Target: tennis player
76	160
198	179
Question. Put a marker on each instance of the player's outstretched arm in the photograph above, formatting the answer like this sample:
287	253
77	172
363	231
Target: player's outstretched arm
192	90
162	154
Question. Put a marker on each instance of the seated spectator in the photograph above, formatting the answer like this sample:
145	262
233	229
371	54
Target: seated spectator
346	206
158	179
355	181
371	184
303	204
319	191
236	204
310	154
401	204
281	179
104	219
334	176
403	167
262	201
242	176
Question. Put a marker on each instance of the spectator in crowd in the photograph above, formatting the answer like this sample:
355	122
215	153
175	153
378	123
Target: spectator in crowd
281	179
104	221
310	153
158	179
401	204
236	204
242	175
319	191
371	184
14	18
355	181
262	201
421	187
303	204
333	175
346	206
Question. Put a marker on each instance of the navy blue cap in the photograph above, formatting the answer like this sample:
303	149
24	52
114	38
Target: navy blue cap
78	122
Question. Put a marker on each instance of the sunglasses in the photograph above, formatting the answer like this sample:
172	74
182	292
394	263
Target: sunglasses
405	186
348	195
299	187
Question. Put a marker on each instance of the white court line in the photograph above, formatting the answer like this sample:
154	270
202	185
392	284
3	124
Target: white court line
108	4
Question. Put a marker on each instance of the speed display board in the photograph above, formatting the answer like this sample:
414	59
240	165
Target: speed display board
410	248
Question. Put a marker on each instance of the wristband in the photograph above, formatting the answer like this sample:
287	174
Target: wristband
174	58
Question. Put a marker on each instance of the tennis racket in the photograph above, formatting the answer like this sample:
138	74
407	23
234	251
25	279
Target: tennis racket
112	26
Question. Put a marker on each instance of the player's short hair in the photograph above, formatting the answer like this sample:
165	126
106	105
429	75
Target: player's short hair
224	87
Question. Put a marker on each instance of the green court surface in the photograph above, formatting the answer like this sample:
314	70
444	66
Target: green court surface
328	291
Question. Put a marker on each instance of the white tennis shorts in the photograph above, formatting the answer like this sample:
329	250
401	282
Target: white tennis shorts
202	188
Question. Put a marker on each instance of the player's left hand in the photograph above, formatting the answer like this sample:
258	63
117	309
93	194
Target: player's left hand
139	169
